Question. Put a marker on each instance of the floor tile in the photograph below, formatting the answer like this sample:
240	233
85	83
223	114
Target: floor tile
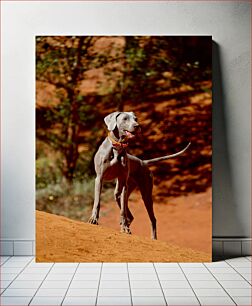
192	264
25	284
30	270
5	283
78	284
88	270
66	265
195	270
79	301
8	276
143	270
178	292
114	284
33	276
82	292
200	276
15	300
220	270
19	292
240	264
47	300
21	258
143	300
248	277
3	259
116	270
40	265
104	300
228	276
178	300
146	292
204	284
91	264
235	284
220	300
174	284
119	276
209	292
62	270
171	276
59	277
86	276
14	264
9	270
51	292
114	264
114	292
162	270
216	264
243	270
144	284
140	264
138	276
237	259
239	291
243	300
166	264
55	284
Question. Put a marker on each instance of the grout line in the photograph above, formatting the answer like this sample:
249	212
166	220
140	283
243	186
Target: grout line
239	273
160	284
9	257
17	275
129	284
96	300
220	285
189	284
246	258
70	283
41	283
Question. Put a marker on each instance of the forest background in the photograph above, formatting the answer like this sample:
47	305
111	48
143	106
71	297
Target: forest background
165	80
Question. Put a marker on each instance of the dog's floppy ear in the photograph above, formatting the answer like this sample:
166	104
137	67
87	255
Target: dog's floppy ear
110	120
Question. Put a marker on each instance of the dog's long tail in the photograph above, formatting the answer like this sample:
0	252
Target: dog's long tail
150	162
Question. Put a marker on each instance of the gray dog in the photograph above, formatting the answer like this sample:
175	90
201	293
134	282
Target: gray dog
113	162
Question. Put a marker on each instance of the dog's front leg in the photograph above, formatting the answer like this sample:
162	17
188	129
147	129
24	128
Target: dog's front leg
124	208
97	195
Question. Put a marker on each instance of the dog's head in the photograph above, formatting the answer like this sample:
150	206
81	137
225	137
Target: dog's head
125	123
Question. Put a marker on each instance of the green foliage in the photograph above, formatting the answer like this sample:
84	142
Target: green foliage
73	201
47	172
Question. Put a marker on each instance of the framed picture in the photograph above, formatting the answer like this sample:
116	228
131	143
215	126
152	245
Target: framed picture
123	148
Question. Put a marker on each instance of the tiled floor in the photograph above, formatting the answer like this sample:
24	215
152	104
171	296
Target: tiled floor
24	282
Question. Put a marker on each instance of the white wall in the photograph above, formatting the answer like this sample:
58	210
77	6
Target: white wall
227	22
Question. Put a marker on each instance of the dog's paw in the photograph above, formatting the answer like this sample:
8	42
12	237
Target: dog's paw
125	229
93	220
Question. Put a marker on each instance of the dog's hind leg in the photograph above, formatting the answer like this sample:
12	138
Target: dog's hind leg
146	186
149	207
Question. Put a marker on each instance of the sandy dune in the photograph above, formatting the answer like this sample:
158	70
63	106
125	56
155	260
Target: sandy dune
59	239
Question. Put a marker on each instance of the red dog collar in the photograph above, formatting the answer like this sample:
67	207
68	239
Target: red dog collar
117	144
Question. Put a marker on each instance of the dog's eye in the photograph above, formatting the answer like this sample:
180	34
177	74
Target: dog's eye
125	118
